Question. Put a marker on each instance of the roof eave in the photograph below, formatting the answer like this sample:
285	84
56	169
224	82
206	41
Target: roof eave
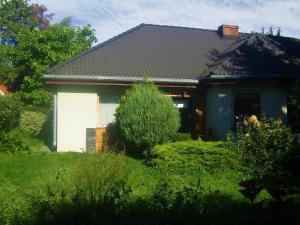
94	78
245	77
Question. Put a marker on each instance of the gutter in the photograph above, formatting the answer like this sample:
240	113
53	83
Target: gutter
93	78
55	120
244	77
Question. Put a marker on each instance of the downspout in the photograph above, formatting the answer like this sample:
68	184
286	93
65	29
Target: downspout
55	120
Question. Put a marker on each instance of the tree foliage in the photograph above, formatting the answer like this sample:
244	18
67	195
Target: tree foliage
30	45
146	117
10	113
17	15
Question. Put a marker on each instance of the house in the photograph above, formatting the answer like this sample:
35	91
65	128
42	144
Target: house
214	76
4	90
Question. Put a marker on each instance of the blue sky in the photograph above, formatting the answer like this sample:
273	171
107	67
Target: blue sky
111	17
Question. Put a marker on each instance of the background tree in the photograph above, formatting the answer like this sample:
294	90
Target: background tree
30	45
17	15
278	32
271	31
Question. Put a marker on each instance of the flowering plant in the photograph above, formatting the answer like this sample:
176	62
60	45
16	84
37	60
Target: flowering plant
263	144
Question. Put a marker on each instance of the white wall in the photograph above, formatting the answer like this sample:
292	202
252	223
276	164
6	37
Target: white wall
76	111
219	105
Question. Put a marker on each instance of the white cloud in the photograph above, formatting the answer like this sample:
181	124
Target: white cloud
111	17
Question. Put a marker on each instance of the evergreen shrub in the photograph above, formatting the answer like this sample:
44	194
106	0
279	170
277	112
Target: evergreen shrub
146	117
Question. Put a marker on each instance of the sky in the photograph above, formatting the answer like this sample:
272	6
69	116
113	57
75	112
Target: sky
112	17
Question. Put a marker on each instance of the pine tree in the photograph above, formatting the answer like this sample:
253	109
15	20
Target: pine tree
271	31
278	32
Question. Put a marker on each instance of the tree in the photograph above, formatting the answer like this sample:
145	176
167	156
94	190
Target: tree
146	117
271	31
44	49
17	15
30	45
278	32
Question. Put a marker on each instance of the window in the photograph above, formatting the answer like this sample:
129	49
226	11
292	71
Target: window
246	104
108	105
186	110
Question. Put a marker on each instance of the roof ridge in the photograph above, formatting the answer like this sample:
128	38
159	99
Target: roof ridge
96	47
181	27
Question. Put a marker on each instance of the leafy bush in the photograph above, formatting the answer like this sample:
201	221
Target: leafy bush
12	142
263	145
32	122
146	117
9	113
199	155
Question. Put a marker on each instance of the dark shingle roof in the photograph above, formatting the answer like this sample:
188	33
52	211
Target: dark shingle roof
258	55
180	53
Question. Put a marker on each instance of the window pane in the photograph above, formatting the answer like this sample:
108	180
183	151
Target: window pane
108	105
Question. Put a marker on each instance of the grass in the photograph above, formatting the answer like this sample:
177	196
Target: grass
220	189
30	170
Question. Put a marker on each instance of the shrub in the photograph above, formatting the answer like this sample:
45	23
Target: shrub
263	145
199	155
181	137
146	117
12	142
9	113
32	122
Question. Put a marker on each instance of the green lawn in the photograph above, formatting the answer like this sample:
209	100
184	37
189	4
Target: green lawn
220	203
30	170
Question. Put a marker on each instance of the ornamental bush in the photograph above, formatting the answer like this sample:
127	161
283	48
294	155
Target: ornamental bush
195	155
32	122
9	113
263	145
146	117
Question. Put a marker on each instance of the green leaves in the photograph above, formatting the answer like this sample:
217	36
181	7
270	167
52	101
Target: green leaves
264	145
9	113
29	46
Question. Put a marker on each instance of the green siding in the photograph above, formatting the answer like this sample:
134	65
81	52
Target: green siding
219	105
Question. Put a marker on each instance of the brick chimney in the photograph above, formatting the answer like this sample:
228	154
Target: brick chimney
228	30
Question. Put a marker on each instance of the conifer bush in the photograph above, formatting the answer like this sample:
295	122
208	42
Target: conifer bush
146	117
